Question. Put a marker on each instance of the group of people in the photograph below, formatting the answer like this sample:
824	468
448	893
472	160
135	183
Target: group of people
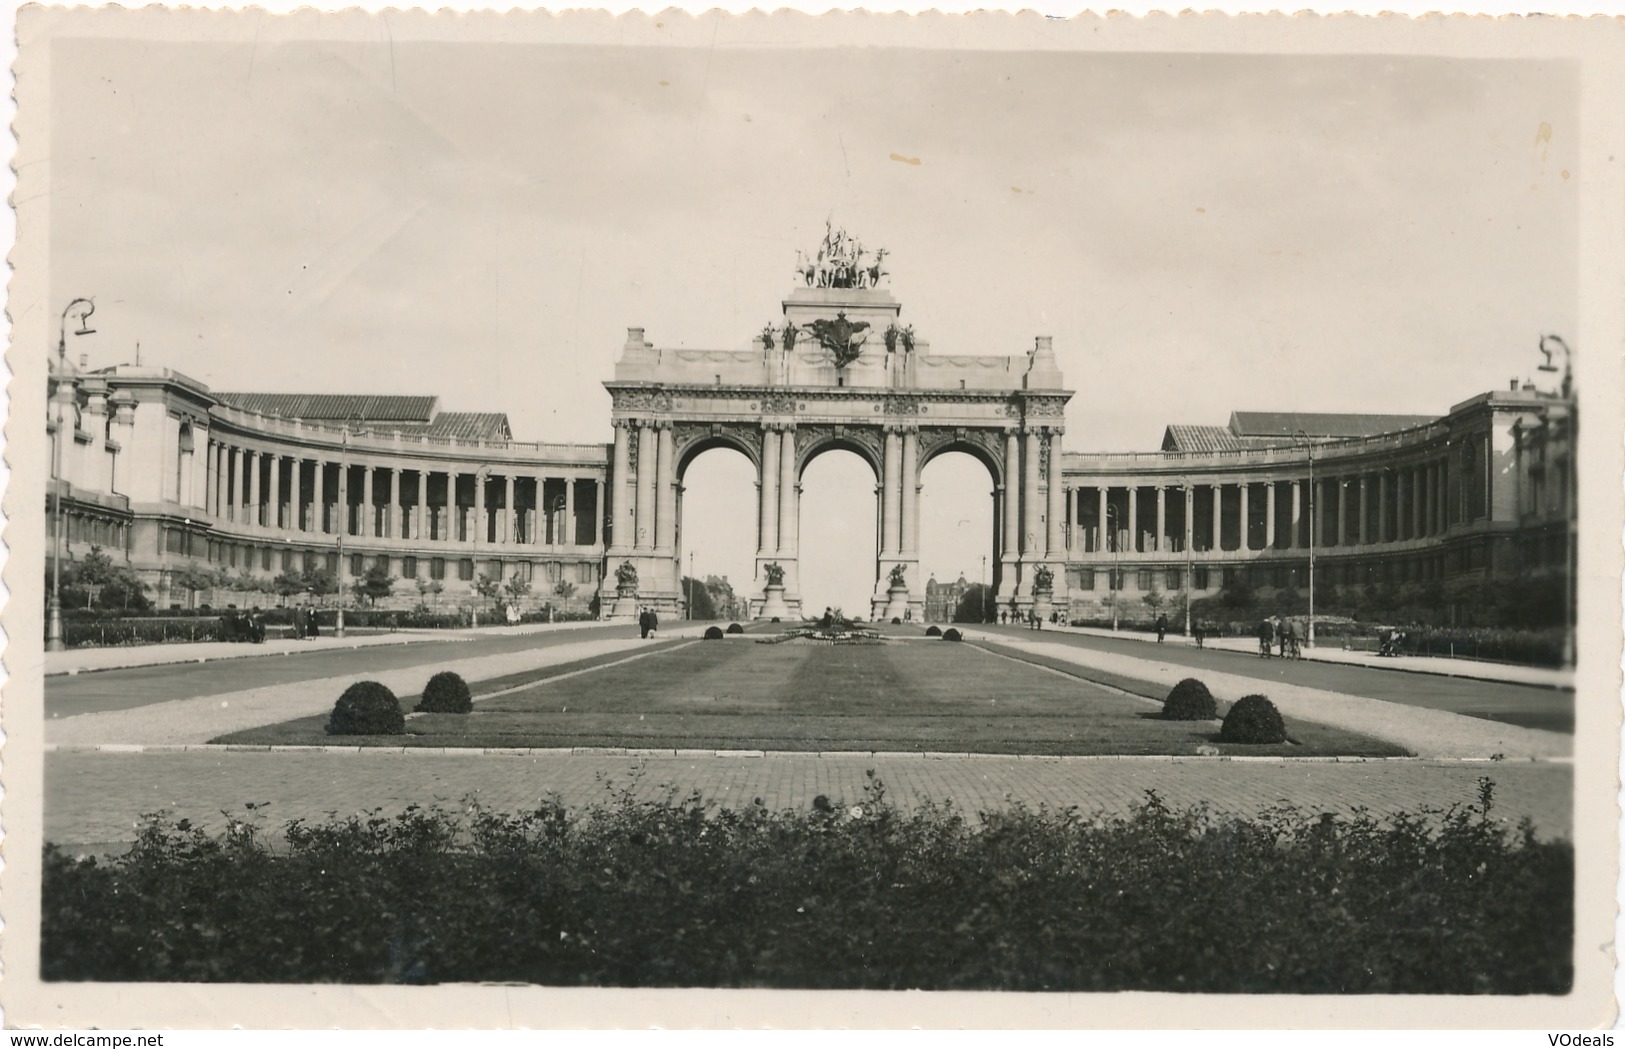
648	623
1279	632
1034	622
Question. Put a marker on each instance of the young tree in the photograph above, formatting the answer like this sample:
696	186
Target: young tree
376	583
193	578
564	590
487	588
699	596
428	588
516	589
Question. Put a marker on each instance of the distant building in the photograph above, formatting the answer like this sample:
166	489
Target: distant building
942	599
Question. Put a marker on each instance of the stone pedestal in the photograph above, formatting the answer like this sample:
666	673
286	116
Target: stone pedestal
1043	604
896	604
625	608
773	606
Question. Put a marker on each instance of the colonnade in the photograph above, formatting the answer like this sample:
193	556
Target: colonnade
276	491
1349	509
644	502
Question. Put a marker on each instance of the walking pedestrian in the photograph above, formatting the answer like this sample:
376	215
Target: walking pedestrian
1266	637
1162	628
643	623
654	623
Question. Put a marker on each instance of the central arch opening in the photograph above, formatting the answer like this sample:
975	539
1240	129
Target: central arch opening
839	514
957	557
717	532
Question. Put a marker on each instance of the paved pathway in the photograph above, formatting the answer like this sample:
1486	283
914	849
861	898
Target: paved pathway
93	799
1333	652
1516	703
1420	730
198	719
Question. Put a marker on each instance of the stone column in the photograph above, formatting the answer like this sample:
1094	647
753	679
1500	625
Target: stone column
478	533
1342	511
1162	519
785	540
1269	515
1133	518
1057	505
1381	531
1103	527
598	489
274	518
1430	484
1241	517
217	485
1218	519
393	518
645	523
1296	514
239	484
1190	523
1418	501
254	488
369	516
909	476
1010	509
569	511
1402	506
318	498
767	540
666	536
620	500
1365	509
448	526
1031	508
892	496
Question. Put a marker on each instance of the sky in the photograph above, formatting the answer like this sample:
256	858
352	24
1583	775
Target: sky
1199	233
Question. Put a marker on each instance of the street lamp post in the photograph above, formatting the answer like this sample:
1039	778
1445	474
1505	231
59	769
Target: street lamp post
1190	560
344	513
65	374
688	586
1571	495
984	588
1310	446
1112	589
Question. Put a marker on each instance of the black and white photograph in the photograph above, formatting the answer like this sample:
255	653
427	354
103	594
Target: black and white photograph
990	511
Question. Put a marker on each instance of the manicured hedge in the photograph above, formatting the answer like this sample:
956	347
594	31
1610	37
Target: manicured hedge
843	896
735	628
713	633
446	693
952	635
1253	719
1190	700
933	631
367	708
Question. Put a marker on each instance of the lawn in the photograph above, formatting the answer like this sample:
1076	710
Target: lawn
915	695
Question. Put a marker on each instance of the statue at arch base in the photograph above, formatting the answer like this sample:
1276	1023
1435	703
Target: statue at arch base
626	593
1043	592
773	605
897	602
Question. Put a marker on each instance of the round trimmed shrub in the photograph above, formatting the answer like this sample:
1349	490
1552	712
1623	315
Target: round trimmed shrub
1189	701
951	635
933	631
367	708
1253	719
735	628
713	633
896	621
446	693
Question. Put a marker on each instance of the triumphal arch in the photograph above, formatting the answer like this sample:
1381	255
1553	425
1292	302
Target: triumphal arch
839	371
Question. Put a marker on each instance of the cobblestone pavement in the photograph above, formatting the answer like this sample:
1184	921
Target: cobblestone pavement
93	799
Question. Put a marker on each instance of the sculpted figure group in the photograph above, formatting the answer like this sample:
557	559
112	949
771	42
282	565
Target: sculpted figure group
840	263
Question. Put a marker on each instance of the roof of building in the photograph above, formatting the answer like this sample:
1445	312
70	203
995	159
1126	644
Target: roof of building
1321	424
465	426
337	407
1199	439
1273	429
379	413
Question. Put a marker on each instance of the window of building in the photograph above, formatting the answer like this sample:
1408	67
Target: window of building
1199	578
333	562
465	569
1175	579
357	564
287	559
523	570
1086	579
437	568
493	569
309	561
1117	578
265	558
1227	575
381	562
409	567
1142	579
